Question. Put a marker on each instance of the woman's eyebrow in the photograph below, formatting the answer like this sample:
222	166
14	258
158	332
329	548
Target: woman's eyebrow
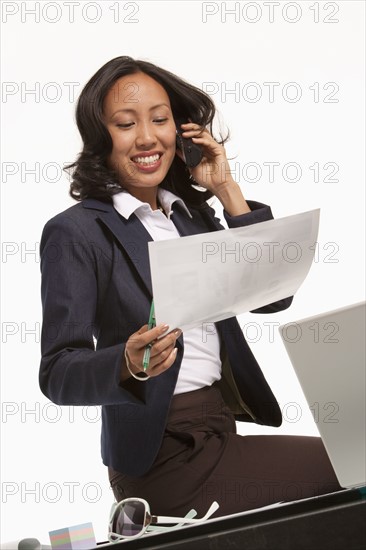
129	110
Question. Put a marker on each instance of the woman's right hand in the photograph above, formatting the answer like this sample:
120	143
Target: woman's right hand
162	353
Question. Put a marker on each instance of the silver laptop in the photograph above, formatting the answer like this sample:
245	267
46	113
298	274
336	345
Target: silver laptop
327	352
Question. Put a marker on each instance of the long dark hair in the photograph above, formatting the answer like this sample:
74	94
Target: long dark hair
91	176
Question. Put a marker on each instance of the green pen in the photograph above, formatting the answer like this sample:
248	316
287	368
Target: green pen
151	324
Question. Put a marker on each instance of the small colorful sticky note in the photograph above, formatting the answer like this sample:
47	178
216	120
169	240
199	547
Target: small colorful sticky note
77	537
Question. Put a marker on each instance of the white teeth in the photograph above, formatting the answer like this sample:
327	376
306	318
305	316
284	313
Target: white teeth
146	160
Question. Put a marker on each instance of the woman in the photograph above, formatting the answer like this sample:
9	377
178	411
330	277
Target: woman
168	435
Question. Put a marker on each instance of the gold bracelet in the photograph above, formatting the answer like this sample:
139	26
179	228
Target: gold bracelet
141	378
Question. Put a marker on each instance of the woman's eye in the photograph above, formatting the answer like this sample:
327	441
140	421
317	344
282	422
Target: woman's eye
159	120
127	125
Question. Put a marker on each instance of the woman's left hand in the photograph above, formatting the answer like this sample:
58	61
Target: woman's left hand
213	172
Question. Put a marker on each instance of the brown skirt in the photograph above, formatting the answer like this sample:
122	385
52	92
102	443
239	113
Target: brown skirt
203	459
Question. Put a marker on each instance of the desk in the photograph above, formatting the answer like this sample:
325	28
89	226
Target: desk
330	522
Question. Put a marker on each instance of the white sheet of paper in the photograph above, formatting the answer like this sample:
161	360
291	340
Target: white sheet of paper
212	276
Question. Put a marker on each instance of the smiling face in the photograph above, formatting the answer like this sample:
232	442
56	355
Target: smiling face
138	116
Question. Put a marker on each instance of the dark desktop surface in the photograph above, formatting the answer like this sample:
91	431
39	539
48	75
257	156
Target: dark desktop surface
330	522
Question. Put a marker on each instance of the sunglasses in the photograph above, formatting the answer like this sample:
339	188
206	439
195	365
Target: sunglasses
131	518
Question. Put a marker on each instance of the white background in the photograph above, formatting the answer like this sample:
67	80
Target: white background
54	449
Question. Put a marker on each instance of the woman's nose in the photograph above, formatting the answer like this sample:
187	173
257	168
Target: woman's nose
145	135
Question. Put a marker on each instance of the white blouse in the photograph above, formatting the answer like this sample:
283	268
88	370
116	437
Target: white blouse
201	364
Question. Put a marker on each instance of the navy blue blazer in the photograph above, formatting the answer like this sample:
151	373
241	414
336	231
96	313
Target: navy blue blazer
96	291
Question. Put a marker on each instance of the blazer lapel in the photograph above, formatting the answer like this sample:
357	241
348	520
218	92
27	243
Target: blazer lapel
133	236
199	223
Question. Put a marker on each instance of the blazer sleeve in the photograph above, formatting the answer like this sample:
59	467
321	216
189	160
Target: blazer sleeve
72	372
259	213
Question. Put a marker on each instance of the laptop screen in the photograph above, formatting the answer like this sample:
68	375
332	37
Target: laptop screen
327	352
